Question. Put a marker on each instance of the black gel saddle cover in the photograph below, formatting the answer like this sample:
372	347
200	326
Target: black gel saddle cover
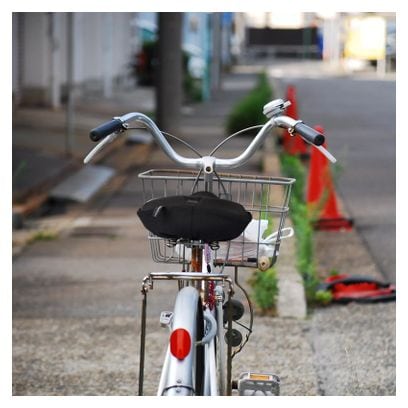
200	216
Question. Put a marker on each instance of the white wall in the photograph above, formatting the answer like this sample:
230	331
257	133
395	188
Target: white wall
35	52
103	45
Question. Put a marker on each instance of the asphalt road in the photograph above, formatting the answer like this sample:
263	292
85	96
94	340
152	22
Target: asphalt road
358	116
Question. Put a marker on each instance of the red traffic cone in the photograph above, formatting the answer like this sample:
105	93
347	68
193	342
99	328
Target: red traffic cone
293	145
321	197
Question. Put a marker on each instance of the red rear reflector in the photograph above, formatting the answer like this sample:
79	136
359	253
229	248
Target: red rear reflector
180	343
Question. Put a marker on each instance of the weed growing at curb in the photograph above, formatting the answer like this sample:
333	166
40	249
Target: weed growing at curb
323	297
302	221
248	112
265	289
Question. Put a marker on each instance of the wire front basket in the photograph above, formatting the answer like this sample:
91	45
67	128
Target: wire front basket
265	197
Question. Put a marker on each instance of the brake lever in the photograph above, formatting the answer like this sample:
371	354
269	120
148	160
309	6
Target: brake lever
100	146
326	153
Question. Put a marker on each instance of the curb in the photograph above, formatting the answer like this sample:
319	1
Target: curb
291	297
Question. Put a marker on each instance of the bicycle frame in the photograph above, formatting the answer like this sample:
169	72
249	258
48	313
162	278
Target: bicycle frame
177	377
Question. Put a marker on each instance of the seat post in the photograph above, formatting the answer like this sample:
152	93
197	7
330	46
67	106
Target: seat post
208	181
196	258
197	266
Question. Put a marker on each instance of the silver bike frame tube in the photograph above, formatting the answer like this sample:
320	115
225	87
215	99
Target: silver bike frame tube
210	383
164	374
212	368
207	374
178	378
221	344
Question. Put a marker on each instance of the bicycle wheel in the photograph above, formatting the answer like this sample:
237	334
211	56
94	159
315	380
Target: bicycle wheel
183	370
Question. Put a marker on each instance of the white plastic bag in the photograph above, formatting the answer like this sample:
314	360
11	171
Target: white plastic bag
245	246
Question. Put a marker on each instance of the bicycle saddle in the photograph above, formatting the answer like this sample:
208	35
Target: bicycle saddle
201	216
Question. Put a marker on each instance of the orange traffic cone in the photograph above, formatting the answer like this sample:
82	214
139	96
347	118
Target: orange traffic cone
293	145
321	197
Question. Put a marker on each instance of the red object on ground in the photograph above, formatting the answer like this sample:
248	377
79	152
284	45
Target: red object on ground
293	145
346	288
321	193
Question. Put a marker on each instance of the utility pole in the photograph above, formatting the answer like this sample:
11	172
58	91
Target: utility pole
169	72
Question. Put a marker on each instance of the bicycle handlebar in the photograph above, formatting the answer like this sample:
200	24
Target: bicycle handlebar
106	129
207	163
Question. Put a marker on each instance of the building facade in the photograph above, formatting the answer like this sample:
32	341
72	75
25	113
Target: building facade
101	46
95	51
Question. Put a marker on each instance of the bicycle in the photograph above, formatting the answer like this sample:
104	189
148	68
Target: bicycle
207	221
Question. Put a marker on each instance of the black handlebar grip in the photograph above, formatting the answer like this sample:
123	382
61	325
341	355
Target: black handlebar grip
105	129
309	134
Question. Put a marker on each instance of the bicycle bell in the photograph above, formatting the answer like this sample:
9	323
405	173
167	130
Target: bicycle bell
275	107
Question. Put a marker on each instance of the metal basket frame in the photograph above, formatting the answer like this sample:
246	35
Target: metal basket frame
266	197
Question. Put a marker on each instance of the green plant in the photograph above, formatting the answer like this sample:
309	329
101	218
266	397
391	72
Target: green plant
43	235
302	221
292	167
265	289
334	272
248	111
304	246
323	297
